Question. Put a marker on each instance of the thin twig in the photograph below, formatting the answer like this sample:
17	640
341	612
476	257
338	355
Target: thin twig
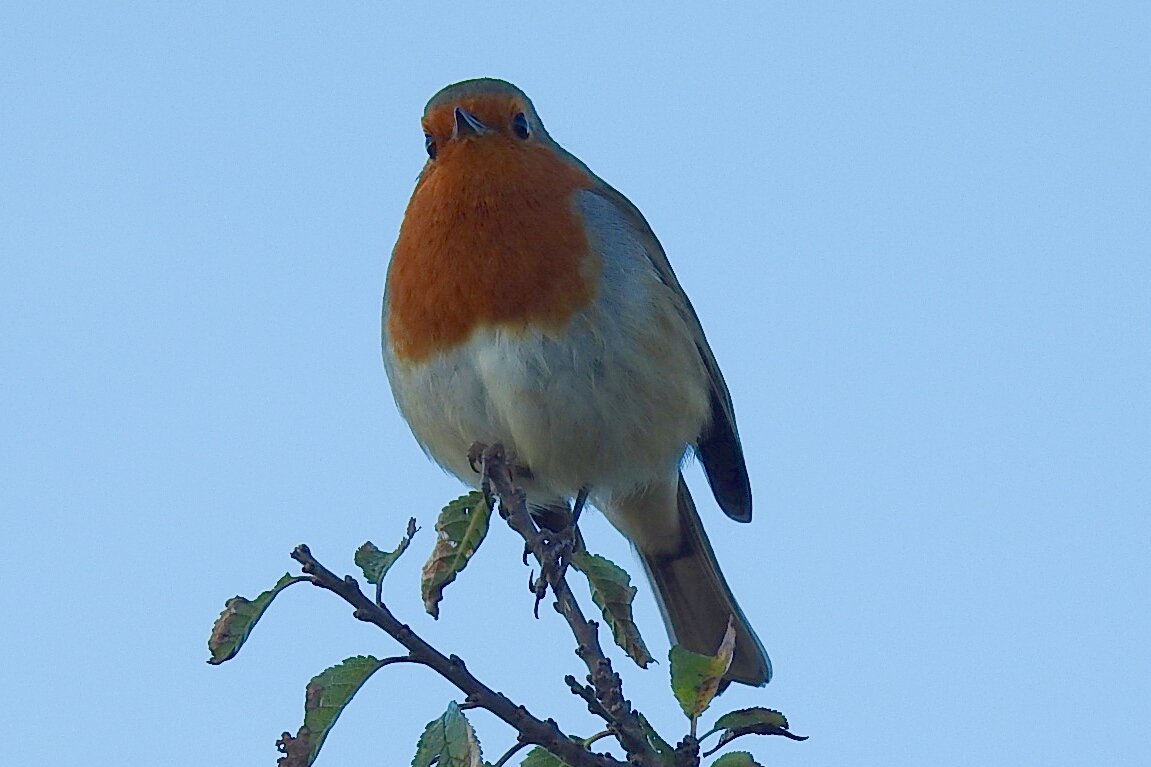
532	730
606	682
587	693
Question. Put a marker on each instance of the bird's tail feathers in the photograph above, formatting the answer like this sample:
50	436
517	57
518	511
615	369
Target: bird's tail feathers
696	601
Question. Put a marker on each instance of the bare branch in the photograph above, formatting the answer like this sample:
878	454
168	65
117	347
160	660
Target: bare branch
587	693
608	686
545	733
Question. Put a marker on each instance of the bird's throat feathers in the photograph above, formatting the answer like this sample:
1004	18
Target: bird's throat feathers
491	238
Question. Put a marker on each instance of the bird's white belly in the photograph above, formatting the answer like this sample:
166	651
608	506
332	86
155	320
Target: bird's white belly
604	406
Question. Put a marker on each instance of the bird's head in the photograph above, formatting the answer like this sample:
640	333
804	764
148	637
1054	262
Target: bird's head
475	119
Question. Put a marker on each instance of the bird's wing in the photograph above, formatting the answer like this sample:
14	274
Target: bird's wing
718	446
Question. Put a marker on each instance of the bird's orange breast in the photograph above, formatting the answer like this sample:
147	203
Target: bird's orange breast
491	237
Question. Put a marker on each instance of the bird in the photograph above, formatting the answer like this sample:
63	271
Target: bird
529	303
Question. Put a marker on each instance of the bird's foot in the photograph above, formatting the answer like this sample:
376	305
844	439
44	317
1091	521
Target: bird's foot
554	551
476	455
552	548
577	507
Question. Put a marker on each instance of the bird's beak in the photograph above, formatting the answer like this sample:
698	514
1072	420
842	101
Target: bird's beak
467	124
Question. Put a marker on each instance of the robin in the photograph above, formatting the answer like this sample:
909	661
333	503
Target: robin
529	303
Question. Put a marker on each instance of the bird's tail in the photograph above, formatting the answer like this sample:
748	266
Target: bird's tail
696	601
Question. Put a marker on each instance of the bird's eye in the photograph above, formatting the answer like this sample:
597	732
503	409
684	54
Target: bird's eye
520	126
430	145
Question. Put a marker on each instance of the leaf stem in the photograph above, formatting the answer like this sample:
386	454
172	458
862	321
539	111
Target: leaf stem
510	753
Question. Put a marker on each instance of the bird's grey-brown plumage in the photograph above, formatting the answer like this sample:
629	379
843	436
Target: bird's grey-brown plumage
610	398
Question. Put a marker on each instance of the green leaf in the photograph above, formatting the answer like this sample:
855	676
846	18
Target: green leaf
664	750
460	530
326	696
541	757
448	741
695	678
736	759
747	717
239	618
376	563
752	721
613	593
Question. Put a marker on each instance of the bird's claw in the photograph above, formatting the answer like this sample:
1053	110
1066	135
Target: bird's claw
475	456
555	556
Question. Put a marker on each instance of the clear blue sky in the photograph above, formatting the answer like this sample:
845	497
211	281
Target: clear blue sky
918	236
